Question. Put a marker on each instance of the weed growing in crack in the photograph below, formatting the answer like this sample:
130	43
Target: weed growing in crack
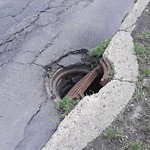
132	146
135	146
66	105
113	134
99	50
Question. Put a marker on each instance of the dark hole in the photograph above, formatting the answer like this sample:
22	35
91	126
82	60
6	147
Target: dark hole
69	81
95	86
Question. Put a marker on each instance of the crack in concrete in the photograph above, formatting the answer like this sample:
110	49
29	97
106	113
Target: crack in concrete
17	62
38	65
46	47
122	80
9	60
5	63
24	31
22	10
46	67
66	8
128	28
13	36
90	1
29	122
132	26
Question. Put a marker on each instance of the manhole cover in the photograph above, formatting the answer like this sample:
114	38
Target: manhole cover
79	78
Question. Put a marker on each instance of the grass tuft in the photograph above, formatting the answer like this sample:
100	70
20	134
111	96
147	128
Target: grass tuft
135	146
139	49
138	91
145	72
66	105
113	134
144	35
99	50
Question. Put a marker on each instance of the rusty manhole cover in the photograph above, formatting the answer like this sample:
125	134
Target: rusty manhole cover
78	79
93	81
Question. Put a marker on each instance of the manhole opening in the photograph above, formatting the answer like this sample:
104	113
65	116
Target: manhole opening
74	76
95	86
68	81
65	79
77	75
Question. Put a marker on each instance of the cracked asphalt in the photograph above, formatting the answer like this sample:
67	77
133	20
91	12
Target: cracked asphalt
32	34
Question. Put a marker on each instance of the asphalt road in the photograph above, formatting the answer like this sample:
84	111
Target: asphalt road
32	34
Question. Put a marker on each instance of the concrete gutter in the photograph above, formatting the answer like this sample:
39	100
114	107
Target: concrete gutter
95	113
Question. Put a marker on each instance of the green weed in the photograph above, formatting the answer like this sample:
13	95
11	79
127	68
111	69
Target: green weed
138	48
138	91
135	146
111	134
144	35
145	72
99	50
66	105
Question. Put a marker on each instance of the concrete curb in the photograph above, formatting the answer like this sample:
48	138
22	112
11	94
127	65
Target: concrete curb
95	113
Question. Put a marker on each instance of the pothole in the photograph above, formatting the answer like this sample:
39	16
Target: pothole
76	75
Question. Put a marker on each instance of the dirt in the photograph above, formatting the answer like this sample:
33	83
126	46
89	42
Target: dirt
134	121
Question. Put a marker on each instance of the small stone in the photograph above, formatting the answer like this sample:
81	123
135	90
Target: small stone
126	137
